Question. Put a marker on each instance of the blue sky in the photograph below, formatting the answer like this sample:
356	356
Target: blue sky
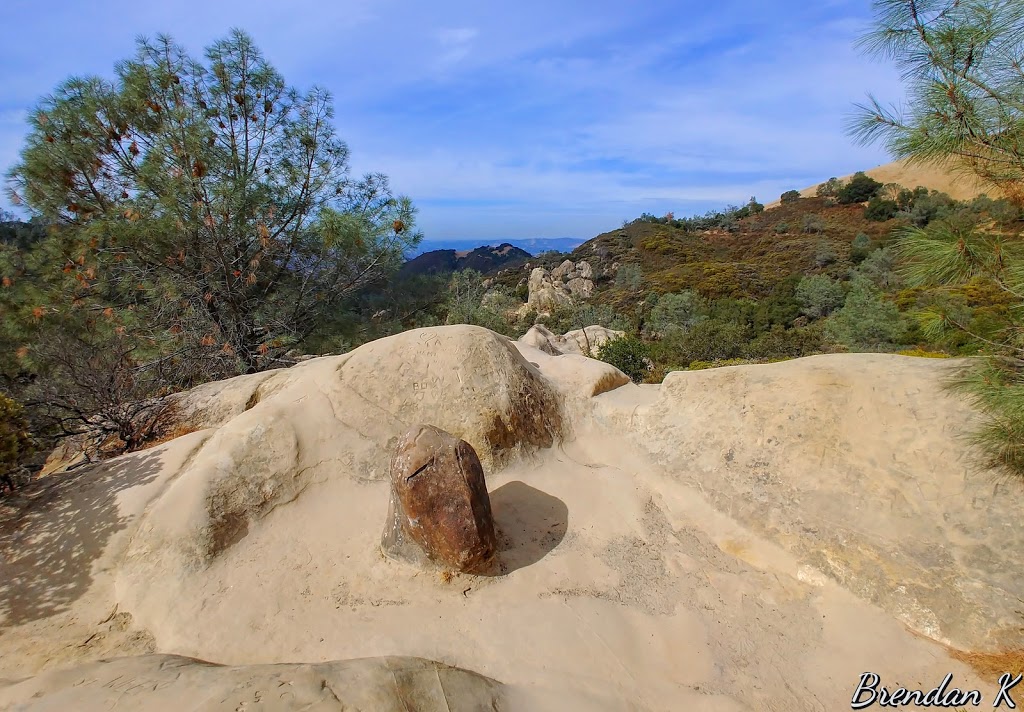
525	119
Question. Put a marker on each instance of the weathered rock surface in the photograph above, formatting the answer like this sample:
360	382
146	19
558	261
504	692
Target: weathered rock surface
439	510
561	286
745	538
171	683
857	464
582	342
338	417
590	339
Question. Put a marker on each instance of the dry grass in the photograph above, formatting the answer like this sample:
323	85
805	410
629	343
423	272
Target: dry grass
168	435
992	665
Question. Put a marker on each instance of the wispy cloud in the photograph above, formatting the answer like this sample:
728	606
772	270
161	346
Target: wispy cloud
529	119
456	43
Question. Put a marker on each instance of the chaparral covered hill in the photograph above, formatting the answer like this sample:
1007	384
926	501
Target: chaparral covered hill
746	538
814	274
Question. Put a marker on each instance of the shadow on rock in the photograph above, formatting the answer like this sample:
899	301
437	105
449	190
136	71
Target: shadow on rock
530	524
52	530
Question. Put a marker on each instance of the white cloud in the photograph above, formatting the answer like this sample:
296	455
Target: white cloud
457	43
457	35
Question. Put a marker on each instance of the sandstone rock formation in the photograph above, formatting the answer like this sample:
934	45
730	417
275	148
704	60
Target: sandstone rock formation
439	510
856	463
584	342
559	287
753	537
169	683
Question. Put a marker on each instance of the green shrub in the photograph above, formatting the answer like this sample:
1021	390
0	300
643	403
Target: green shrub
704	365
928	207
825	254
860	189
790	196
819	295
880	267
709	340
921	353
781	306
677	311
583	314
860	247
629	277
813	225
628	354
15	441
880	210
781	228
782	343
867	320
830	188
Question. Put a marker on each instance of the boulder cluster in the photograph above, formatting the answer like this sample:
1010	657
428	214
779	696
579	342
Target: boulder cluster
584	342
561	286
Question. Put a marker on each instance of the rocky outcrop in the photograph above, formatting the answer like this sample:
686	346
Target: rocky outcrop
751	536
439	511
856	464
351	411
561	286
172	682
584	342
589	340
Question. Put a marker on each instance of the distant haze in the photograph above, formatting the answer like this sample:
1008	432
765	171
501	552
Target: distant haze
532	245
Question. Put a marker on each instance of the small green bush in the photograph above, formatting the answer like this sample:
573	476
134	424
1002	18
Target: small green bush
15	441
813	225
825	254
709	340
860	189
819	295
781	228
830	188
867	320
781	343
860	247
790	196
629	277
704	365
628	354
880	210
921	353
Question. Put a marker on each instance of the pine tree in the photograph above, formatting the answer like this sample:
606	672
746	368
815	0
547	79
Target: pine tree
206	206
963	61
964	64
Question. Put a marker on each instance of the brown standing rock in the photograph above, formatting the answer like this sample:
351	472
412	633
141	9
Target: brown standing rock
439	511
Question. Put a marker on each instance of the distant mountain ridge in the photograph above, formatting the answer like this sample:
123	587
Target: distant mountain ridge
482	259
533	245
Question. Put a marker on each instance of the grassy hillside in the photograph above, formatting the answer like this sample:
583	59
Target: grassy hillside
956	184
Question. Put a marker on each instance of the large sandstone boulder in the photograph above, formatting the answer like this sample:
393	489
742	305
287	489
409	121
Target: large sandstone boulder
857	464
171	683
590	339
582	342
349	411
439	510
